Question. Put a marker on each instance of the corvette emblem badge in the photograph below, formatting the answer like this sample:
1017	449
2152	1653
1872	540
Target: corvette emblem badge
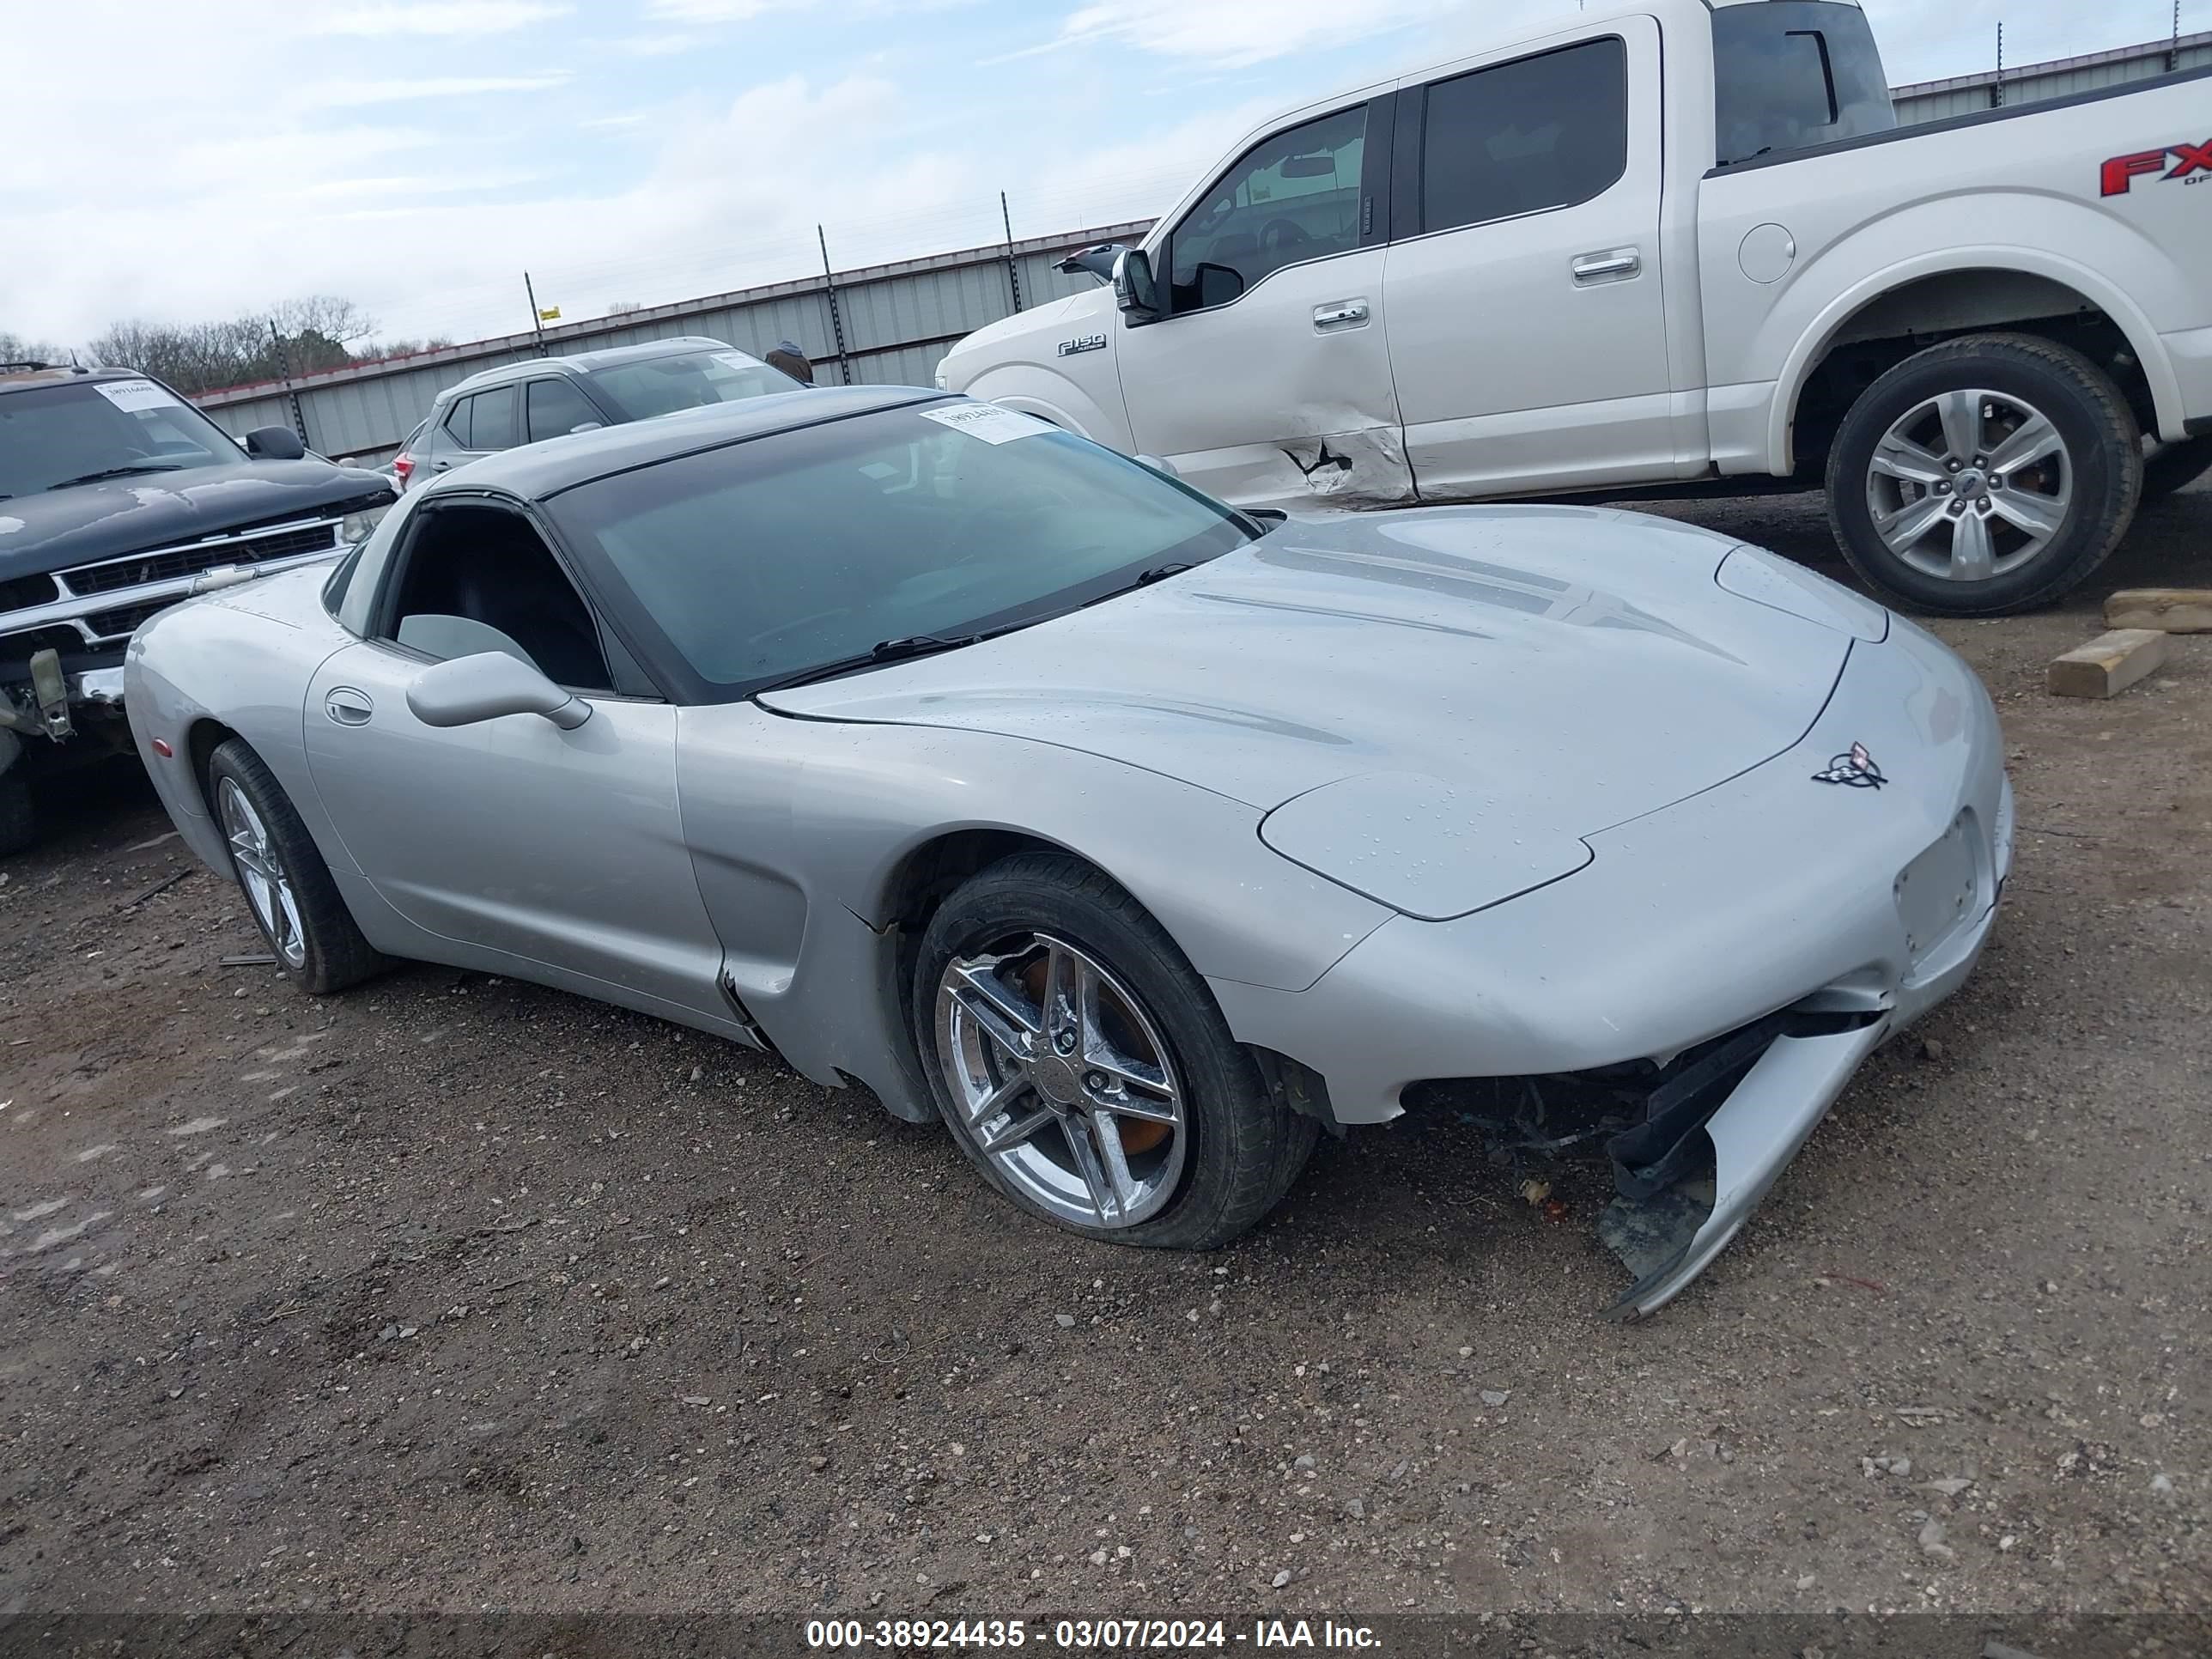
1855	770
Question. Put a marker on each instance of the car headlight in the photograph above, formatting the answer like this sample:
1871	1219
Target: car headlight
355	527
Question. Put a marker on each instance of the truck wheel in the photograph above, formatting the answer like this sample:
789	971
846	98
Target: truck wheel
2169	467
18	825
1984	475
287	886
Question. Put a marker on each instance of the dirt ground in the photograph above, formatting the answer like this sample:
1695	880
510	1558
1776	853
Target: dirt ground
458	1293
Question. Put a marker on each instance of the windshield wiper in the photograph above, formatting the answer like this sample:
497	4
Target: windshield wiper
128	469
883	651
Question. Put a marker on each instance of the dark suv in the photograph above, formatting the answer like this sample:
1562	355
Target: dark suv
119	498
544	398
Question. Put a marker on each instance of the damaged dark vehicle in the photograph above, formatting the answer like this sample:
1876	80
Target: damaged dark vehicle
118	499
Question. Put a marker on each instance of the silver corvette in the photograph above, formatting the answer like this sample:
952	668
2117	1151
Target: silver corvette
1140	839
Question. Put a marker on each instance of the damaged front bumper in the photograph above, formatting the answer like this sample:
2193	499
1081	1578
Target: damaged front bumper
1779	921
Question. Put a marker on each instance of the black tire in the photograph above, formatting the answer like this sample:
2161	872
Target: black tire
1245	1147
332	954
2103	448
2170	467
19	822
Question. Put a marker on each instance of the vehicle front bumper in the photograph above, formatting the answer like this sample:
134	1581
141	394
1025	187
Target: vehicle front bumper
1769	891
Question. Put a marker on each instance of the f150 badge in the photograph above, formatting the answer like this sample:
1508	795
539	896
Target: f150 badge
1088	343
2192	165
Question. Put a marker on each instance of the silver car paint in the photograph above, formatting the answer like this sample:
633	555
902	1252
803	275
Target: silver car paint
1723	882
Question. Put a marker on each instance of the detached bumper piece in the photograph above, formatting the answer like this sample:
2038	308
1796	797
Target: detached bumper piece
1718	1132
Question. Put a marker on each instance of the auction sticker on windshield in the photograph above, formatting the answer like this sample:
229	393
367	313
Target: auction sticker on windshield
993	424
133	395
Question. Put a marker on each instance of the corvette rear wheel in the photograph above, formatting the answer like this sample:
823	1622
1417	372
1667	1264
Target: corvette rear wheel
287	885
1082	1064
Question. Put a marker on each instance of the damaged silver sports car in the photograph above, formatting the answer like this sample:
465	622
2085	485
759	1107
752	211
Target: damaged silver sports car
1141	839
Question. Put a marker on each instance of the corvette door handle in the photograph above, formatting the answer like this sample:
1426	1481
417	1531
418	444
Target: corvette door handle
348	707
1613	265
1339	314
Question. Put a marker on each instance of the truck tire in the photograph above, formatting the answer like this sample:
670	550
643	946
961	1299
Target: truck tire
2169	467
1985	475
19	825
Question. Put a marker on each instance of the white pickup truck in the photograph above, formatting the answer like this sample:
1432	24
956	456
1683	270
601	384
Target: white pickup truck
1671	244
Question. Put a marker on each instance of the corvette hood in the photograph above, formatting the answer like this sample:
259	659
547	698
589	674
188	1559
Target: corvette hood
56	528
1558	670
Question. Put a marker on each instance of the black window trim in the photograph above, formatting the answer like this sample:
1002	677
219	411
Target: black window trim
1409	160
1974	118
633	681
1374	205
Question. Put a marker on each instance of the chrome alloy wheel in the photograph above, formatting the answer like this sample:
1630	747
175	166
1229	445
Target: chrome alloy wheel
261	872
1063	1081
1987	470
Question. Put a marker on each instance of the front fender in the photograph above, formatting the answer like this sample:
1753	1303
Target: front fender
1051	395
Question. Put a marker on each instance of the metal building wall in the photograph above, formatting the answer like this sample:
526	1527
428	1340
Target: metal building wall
1967	94
898	321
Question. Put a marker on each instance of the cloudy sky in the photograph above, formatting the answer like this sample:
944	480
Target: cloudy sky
197	158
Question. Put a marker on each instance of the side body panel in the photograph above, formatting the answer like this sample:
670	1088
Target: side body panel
802	829
1532	352
1265	401
253	648
558	847
1832	231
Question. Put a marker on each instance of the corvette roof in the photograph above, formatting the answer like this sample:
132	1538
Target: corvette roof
536	471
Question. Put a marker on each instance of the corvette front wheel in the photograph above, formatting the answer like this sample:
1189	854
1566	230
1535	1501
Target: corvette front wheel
1082	1065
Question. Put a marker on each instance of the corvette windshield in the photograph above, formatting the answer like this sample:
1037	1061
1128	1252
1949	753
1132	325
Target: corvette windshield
764	560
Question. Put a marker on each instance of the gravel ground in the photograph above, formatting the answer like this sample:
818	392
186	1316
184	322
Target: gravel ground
458	1293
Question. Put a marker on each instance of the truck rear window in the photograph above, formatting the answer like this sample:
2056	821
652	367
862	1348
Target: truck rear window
1791	74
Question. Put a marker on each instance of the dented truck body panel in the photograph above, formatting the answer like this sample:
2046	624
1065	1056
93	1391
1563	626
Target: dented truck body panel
1658	317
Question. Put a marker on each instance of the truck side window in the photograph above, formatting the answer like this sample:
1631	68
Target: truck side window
1791	74
1293	196
1527	136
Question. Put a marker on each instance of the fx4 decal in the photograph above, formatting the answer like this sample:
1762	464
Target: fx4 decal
2193	163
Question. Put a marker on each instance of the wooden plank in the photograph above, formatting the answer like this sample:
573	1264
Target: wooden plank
2169	610
2108	664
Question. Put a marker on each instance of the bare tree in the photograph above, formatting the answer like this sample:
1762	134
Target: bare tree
623	307
15	349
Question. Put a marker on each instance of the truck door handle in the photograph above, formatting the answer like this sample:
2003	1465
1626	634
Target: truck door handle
1615	265
1339	314
348	707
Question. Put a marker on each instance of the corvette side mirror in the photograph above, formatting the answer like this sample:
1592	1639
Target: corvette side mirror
469	690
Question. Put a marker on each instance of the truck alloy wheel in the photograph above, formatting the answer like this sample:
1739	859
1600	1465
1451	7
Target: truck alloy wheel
1984	475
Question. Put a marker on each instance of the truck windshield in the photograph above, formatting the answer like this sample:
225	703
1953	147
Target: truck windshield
79	430
688	380
1791	74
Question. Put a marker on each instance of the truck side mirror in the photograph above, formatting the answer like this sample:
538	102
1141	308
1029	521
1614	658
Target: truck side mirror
1135	292
274	443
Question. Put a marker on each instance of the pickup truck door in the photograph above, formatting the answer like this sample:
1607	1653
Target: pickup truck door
1267	380
1528	334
